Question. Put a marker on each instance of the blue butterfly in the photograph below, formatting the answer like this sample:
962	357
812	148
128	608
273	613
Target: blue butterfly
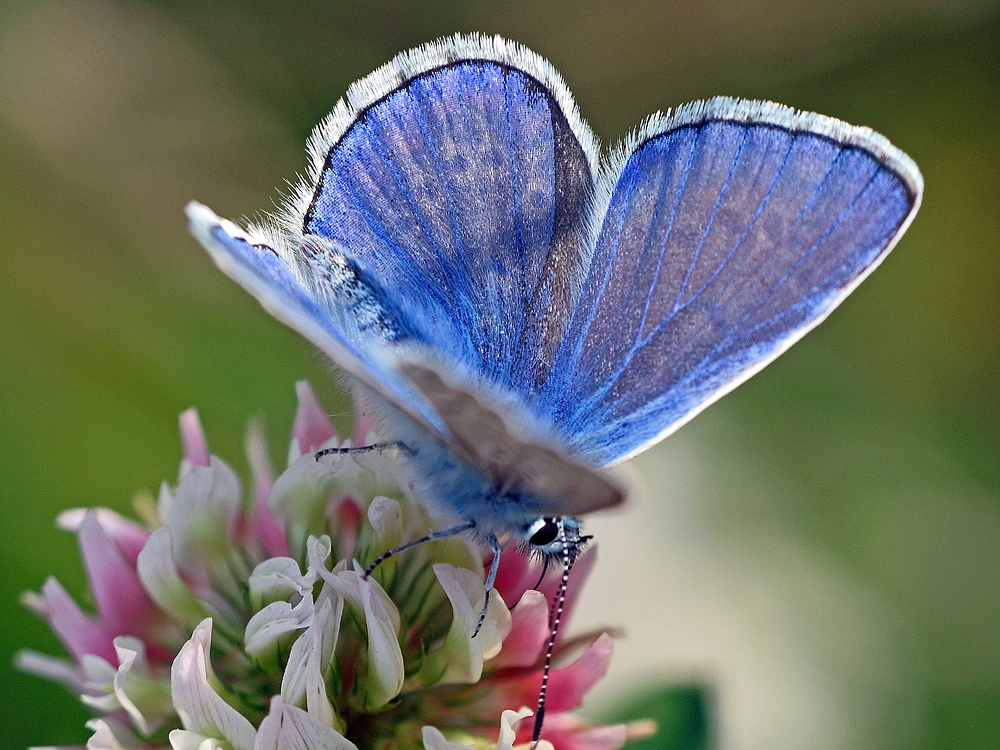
523	312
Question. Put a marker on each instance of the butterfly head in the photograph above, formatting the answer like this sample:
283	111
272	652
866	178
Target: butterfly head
555	539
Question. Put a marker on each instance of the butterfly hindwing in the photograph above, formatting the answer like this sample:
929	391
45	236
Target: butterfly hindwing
731	229
497	438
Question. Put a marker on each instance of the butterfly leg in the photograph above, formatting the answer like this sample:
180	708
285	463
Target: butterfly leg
394	445
443	534
491	578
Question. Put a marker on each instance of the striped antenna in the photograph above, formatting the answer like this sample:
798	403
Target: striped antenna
568	558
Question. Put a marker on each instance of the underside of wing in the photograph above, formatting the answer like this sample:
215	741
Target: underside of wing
494	435
458	174
728	231
256	267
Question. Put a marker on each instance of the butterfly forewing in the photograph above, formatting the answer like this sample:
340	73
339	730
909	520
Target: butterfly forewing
465	182
731	230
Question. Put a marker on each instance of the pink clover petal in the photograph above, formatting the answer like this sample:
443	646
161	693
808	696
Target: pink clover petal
193	439
528	634
163	583
348	514
567	685
516	574
264	527
434	740
567	731
204	516
577	578
200	707
312	427
460	659
599	738
126	533
80	634
290	728
122	602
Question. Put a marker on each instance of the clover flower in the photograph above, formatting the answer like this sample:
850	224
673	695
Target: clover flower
232	626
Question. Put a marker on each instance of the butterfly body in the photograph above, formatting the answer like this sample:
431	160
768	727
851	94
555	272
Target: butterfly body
450	487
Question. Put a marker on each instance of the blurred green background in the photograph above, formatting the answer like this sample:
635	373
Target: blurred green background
817	557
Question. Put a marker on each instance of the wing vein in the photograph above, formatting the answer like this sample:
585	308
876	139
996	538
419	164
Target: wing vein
711	218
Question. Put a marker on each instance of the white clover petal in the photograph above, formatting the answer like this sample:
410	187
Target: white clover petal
303	683
164	500
434	740
509	721
110	735
162	581
299	499
385	658
277	579
318	549
98	689
460	659
290	728
200	707
204	514
267	633
97	670
181	739
143	696
347	583
386	519
63	671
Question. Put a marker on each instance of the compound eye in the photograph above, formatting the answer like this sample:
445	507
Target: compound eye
546	534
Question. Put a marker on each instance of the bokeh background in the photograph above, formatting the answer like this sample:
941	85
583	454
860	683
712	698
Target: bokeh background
812	563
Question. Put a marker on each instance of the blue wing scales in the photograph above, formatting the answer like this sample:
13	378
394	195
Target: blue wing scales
464	183
731	229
